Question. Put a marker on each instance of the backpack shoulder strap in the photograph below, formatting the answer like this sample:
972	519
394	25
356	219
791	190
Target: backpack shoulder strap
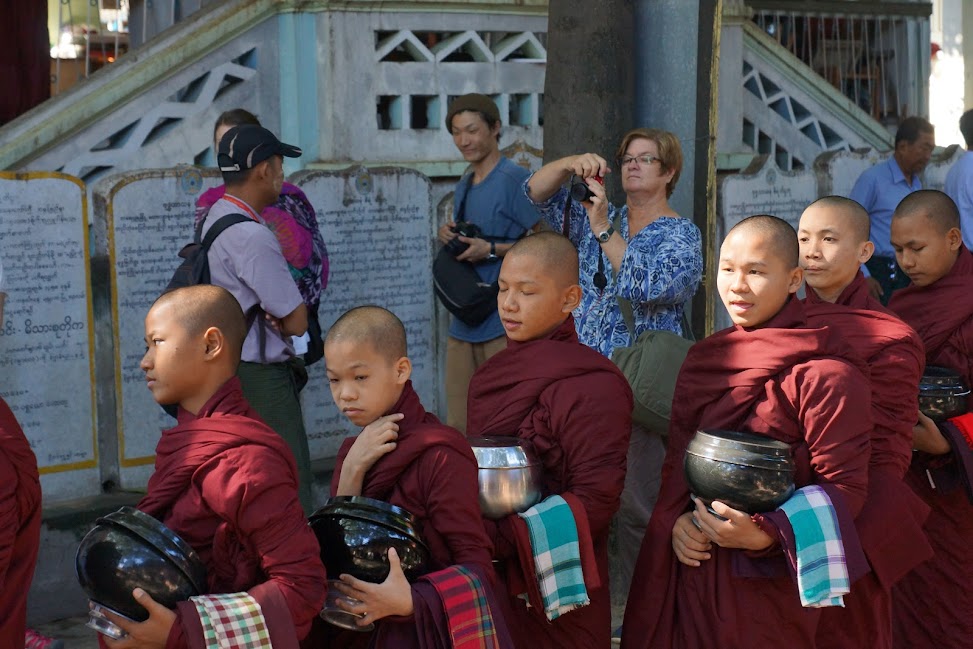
222	224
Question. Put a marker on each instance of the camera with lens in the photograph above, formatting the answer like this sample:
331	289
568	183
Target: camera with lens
455	247
580	191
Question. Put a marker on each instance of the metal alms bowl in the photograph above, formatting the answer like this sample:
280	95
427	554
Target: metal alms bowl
942	393
356	533
750	473
509	475
128	549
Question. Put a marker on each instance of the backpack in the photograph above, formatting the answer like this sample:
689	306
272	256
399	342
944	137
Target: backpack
194	268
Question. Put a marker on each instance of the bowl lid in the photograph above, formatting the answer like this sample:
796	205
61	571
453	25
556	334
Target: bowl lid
738	447
368	509
163	539
501	453
935	390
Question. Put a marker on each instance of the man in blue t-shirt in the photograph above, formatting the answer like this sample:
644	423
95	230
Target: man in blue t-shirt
880	189
489	196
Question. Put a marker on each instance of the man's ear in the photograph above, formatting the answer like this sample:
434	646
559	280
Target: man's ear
572	298
955	238
796	279
215	343
866	252
403	370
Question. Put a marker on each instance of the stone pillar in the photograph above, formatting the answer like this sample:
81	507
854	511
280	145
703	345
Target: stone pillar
677	71
589	85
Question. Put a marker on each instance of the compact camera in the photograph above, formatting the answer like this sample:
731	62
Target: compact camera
580	191
455	247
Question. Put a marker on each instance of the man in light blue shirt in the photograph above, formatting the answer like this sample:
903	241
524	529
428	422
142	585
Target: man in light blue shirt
489	196
880	189
959	181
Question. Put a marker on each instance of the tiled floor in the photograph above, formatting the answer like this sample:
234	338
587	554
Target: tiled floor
72	631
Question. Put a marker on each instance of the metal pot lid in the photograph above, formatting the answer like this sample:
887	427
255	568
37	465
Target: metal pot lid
369	510
930	390
745	449
163	539
937	375
502	453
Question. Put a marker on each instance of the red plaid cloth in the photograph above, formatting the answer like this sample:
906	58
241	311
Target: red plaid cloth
470	619
232	621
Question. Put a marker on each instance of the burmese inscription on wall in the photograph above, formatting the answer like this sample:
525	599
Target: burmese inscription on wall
150	217
377	225
46	345
761	189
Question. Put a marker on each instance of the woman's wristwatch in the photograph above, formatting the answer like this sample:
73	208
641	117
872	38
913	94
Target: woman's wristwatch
603	237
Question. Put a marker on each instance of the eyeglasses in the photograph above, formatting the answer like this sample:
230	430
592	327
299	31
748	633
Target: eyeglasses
639	160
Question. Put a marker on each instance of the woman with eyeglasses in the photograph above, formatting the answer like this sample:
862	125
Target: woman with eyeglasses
642	252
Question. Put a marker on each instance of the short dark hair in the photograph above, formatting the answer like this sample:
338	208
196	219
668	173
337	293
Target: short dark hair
966	128
911	127
236	178
235	117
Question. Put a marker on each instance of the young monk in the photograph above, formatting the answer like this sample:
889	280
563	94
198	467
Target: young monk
573	406
931	605
406	457
20	527
224	482
833	236
703	581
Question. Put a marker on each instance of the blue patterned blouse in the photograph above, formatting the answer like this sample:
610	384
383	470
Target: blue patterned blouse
660	272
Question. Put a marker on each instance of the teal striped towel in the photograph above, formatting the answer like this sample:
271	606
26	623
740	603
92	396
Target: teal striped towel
557	556
822	574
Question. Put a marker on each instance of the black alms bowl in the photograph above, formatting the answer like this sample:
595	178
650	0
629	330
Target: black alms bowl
942	393
750	473
129	549
356	534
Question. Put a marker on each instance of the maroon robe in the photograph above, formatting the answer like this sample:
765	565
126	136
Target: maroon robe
931	605
574	407
789	381
227	484
890	524
432	474
20	526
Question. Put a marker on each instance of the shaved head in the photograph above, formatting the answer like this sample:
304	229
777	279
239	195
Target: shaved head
555	253
203	306
851	211
782	236
374	326
936	206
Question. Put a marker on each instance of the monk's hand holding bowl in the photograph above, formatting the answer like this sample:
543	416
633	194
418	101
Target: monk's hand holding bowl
150	634
392	597
926	437
688	542
376	440
737	531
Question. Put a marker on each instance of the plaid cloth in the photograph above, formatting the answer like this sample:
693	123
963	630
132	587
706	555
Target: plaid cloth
822	575
557	557
466	605
232	621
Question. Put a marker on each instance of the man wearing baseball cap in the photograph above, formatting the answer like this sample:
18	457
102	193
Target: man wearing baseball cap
491	196
246	260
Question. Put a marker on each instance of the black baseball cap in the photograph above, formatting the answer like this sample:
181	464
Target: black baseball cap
244	147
